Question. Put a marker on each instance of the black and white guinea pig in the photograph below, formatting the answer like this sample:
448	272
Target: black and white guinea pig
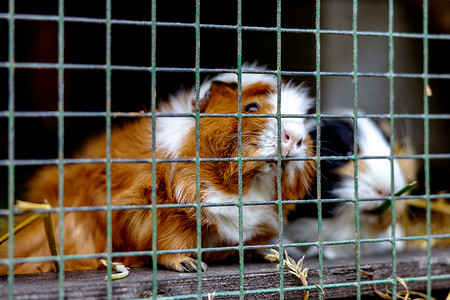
338	182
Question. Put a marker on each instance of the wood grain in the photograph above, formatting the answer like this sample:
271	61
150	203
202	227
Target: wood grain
221	278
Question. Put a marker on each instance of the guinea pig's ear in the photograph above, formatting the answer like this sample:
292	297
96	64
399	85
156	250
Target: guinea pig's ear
217	88
223	88
230	85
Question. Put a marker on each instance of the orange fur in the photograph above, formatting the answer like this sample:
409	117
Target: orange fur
131	184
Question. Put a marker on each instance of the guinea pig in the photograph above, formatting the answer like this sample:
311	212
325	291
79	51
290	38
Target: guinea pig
85	185
338	182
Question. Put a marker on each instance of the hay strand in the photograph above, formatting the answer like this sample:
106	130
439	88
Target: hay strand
404	294
19	227
118	267
295	268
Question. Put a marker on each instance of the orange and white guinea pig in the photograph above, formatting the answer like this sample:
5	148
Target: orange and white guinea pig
131	183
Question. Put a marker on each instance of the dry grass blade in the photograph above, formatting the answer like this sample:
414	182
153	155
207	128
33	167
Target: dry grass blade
414	221
118	267
404	295
438	206
48	224
29	206
19	227
273	257
211	296
50	233
295	268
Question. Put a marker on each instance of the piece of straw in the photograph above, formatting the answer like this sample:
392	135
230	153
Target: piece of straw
404	295
50	233
294	268
118	267
48	224
435	206
19	227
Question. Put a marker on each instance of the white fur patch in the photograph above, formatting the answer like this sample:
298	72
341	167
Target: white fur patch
339	228
291	170
171	131
294	101
377	176
227	217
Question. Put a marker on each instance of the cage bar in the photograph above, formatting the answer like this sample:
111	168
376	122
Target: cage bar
61	258
11	143
153	161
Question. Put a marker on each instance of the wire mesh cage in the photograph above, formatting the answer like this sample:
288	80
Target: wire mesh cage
71	71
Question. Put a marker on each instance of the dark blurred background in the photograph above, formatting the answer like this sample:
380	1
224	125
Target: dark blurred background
85	43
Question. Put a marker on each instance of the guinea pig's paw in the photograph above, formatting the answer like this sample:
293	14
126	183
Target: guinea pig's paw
190	265
181	263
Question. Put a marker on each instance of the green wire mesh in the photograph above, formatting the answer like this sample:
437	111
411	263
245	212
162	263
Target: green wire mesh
61	66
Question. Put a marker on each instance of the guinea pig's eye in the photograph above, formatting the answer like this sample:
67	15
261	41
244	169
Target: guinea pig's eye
252	107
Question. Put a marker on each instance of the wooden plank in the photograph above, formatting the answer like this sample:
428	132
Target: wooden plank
91	284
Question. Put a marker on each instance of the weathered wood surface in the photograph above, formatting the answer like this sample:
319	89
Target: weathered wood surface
91	284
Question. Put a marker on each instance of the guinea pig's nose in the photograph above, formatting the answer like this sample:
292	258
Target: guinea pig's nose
380	192
292	138
290	142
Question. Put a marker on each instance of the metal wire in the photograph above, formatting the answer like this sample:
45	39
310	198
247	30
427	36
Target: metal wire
11	143
67	19
154	251
197	151
356	147
108	75
426	150
279	193
35	65
61	147
318	146
392	143
239	150
11	163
